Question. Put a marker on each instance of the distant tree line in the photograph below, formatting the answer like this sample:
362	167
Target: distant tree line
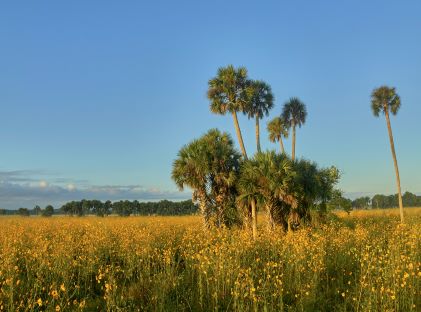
380	201
127	208
48	211
121	208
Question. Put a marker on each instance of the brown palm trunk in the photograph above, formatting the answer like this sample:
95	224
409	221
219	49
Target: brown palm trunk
293	141
254	218
282	145
270	220
258	134
203	207
239	136
398	181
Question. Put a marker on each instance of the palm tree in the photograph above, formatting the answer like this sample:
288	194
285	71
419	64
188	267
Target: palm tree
228	92
266	180
248	186
294	114
385	99
261	101
209	166
277	129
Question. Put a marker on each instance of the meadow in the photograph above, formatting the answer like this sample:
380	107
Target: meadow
365	261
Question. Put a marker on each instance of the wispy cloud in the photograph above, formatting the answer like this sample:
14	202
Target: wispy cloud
23	189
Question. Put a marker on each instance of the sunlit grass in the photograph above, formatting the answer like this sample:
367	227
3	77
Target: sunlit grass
366	261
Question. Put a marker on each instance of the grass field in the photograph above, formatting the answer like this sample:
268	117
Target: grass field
366	261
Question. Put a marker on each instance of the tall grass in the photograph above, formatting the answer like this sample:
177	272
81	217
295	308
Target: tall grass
363	262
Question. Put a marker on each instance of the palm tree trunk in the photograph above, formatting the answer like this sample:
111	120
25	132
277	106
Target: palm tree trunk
239	136
282	145
203	207
398	180
258	134
270	220
293	141
254	218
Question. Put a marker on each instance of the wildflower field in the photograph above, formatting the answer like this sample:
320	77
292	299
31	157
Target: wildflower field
366	261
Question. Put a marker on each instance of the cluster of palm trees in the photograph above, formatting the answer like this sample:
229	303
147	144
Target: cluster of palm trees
231	91
231	188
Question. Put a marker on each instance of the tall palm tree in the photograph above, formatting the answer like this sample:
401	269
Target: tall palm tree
385	99
277	129
294	114
228	92
260	103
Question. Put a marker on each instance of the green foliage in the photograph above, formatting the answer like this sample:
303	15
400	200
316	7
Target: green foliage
390	201
126	208
229	90
266	179
339	202
24	212
361	202
287	190
384	99
48	211
37	210
209	166
260	99
294	112
277	129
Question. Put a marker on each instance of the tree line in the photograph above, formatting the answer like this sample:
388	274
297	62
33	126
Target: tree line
121	208
380	201
127	208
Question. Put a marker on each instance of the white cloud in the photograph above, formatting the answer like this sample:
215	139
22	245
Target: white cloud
71	187
19	189
43	184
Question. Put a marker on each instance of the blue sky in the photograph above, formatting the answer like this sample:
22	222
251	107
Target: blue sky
97	97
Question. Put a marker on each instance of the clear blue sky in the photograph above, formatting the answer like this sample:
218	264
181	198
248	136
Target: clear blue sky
97	97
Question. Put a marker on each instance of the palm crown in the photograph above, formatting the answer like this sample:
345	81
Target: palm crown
294	112
384	99
277	129
228	90
261	99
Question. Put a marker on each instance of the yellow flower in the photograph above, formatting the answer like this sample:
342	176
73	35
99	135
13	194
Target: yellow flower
39	302
54	294
57	308
62	288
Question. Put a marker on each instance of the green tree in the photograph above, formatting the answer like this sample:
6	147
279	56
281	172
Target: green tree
385	99
209	166
339	202
37	210
229	92
409	199
361	202
259	104
266	181
48	211
294	114
249	193
277	129
24	212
